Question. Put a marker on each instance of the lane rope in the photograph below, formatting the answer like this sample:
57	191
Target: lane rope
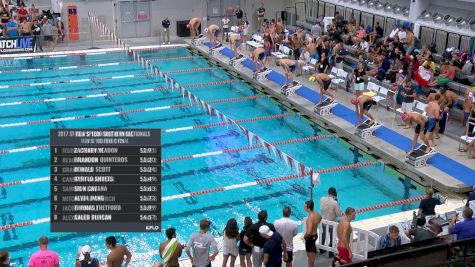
137	91
170	130
130	111
238	149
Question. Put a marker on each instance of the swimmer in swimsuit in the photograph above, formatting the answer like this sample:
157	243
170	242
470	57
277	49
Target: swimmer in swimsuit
258	56
290	66
363	103
344	234
433	114
324	81
421	124
311	235
213	33
235	40
194	26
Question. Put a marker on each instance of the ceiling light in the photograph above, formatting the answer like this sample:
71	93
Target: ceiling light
461	22
388	7
405	11
426	15
449	20
371	4
363	2
472	24
438	17
397	9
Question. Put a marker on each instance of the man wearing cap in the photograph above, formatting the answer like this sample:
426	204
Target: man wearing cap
273	247
363	103
254	239
330	212
44	257
84	258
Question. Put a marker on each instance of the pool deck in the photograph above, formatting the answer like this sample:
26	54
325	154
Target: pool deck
388	152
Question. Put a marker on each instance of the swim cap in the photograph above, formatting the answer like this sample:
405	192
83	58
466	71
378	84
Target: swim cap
311	79
354	101
370	93
404	116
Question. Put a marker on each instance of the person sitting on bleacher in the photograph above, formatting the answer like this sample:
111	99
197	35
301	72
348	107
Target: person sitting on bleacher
447	74
468	104
465	229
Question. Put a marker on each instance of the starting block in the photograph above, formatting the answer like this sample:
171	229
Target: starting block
262	75
214	51
419	157
366	129
236	62
324	108
290	89
198	40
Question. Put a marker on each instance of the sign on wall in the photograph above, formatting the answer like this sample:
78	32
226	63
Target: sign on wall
23	44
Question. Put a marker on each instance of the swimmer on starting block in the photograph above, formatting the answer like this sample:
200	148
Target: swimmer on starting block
324	81
236	41
363	103
258	56
422	123
194	26
213	32
290	66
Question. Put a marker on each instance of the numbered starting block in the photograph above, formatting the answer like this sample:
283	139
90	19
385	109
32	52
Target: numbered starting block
367	128
289	89
262	75
324	108
214	51
199	40
236	62
419	157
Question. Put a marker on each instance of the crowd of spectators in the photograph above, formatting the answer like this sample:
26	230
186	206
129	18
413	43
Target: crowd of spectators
18	20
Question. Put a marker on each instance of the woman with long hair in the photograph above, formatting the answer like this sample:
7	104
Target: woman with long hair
245	251
230	239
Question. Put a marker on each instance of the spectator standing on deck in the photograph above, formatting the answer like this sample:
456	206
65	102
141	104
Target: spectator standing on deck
287	228
200	243
12	28
117	253
311	234
166	30
245	251
44	257
465	229
427	205
261	12
170	250
344	231
255	240
239	14
4	259
36	30
84	259
273	247
230	240
225	25
330	212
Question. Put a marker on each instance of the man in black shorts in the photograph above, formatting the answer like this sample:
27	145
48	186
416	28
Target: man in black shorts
363	103
311	234
421	124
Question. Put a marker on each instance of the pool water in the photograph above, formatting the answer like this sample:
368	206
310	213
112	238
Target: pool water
358	188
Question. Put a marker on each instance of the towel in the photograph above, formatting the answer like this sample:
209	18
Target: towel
169	250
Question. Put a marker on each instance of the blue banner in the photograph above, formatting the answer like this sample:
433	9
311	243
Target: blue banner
20	44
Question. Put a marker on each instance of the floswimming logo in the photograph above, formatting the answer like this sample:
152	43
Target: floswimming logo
17	45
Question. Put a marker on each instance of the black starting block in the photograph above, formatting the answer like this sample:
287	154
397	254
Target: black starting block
236	62
325	107
214	51
199	40
419	157
262	75
367	128
290	89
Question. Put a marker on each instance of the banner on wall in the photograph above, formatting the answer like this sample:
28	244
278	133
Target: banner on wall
21	44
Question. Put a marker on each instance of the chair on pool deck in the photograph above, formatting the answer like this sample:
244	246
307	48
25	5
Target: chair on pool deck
256	42
340	78
381	95
310	66
419	107
283	52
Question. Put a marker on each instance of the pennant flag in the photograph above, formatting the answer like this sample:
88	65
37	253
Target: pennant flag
290	159
267	146
302	168
315	177
279	153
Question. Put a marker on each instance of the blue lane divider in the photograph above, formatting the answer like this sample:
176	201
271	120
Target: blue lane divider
439	161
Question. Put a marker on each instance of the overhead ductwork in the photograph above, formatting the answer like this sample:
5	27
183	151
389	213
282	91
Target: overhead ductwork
461	22
379	5
472	24
405	11
426	15
371	4
397	9
438	18
388	7
363	2
449	20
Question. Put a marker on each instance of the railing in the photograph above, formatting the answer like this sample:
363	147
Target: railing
442	252
361	243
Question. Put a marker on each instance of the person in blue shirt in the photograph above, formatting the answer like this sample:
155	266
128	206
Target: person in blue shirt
471	197
12	28
465	229
391	239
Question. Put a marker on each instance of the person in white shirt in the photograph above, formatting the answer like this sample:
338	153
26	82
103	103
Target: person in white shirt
287	228
330	212
402	34
225	23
